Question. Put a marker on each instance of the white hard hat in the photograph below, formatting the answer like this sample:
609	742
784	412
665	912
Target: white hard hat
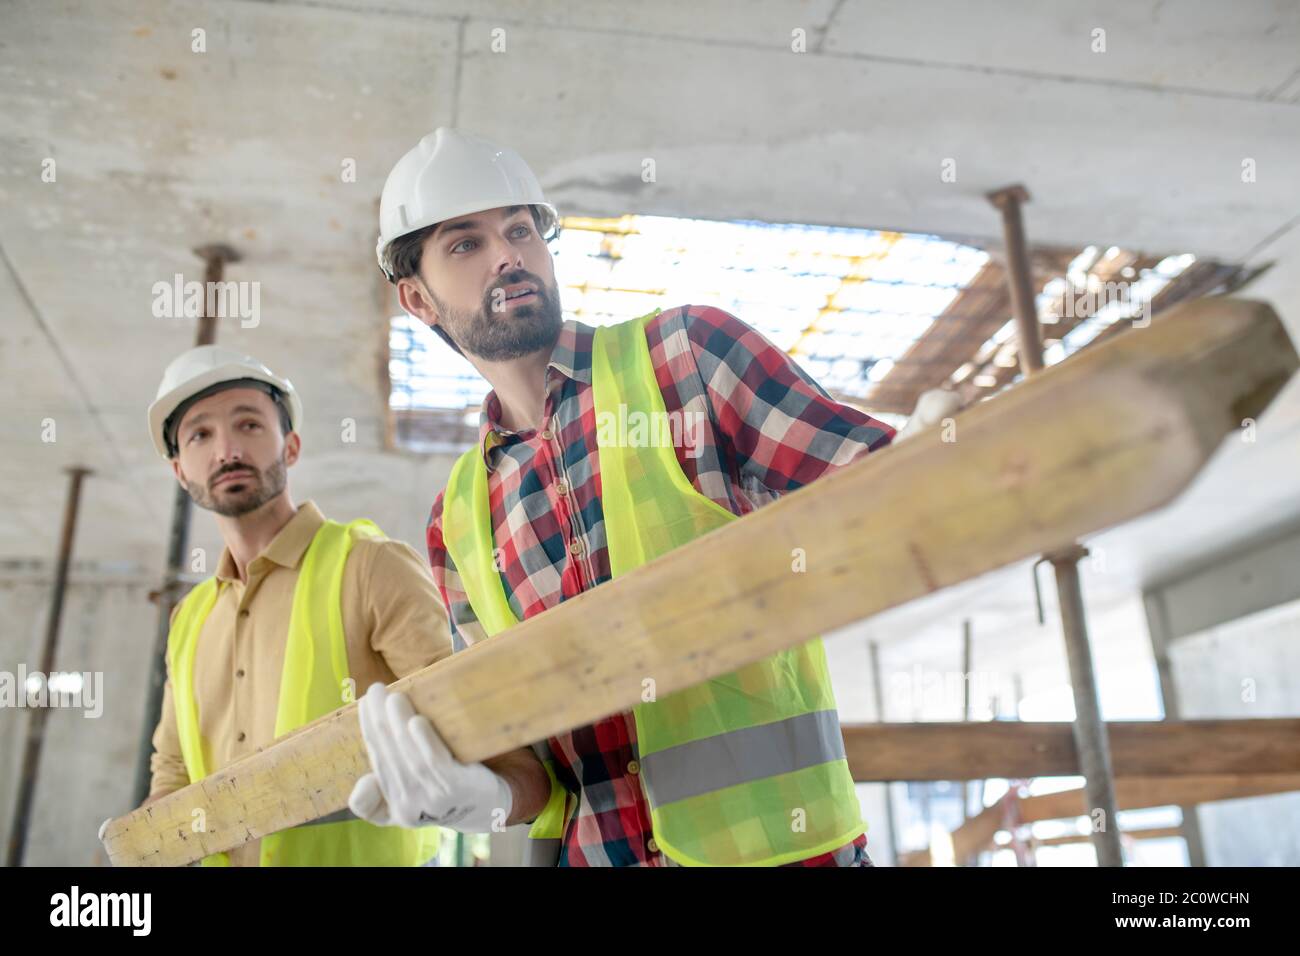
198	370
452	173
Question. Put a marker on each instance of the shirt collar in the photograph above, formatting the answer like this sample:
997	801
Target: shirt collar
286	548
570	359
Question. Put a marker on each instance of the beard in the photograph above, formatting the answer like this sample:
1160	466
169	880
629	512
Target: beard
241	495
497	336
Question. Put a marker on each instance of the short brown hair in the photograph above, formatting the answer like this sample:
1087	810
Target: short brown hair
404	253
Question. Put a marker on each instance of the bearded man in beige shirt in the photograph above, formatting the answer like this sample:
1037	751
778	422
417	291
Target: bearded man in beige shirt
257	650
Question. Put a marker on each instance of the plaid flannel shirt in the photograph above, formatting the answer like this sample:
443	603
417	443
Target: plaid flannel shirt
767	428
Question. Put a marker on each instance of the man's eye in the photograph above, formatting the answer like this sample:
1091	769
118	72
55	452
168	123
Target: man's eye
521	230
252	425
195	436
461	243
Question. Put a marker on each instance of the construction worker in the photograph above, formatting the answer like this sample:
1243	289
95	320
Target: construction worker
301	610
747	768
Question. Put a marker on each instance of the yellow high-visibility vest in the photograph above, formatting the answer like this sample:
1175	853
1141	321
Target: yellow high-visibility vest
744	769
315	682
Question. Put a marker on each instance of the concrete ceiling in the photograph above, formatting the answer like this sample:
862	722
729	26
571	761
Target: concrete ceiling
160	149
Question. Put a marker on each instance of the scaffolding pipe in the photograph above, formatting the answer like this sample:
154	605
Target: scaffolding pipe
38	716
1089	731
1090	739
1020	277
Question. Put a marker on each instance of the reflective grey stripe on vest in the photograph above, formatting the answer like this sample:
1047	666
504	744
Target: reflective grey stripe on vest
702	766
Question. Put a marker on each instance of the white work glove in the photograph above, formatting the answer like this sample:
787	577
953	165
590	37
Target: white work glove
932	407
417	781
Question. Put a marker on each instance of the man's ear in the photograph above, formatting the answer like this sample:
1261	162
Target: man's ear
292	448
416	300
176	470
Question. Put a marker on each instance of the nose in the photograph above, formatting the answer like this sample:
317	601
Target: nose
507	256
228	448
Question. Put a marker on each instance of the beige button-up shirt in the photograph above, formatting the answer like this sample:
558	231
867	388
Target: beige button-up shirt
393	622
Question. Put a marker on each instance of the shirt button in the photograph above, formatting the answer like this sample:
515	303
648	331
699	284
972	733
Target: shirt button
547	434
575	546
652	846
241	737
239	673
561	487
244	613
633	767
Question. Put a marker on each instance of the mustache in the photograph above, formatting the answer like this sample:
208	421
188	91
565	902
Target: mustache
515	278
232	469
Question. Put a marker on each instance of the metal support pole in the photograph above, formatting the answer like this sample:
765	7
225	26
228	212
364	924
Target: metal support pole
215	257
1019	276
967	657
1090	738
1089	731
874	650
39	715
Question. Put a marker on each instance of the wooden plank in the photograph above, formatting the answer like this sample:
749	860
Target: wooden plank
1131	793
1136	793
1010	749
976	834
1148	833
1021	478
922	857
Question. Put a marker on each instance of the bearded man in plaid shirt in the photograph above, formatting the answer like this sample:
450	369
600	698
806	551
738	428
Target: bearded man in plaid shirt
746	769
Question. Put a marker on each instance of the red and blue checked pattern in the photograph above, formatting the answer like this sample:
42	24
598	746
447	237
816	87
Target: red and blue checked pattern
767	428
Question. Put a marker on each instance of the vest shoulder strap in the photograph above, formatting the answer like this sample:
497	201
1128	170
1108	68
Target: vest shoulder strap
182	643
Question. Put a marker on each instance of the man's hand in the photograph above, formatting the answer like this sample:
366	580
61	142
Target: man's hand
932	407
416	780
